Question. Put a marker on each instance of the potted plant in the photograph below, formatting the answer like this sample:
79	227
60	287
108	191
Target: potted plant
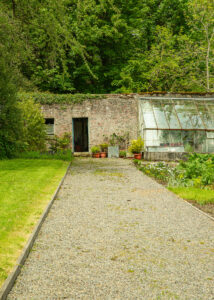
95	150
104	148
137	147
122	153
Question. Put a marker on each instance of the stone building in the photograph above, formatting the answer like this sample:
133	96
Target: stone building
169	123
93	120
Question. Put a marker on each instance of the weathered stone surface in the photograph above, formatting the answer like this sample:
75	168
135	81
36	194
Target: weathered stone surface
114	114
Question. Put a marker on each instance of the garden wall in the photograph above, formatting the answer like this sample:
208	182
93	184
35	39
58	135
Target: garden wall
110	114
164	156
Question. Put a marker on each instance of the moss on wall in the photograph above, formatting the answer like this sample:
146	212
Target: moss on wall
47	98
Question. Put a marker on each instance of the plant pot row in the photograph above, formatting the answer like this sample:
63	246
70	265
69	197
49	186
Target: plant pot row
99	155
104	155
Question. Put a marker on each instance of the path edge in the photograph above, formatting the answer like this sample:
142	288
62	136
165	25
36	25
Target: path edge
9	282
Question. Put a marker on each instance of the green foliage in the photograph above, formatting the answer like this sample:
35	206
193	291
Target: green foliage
65	155
26	188
60	143
201	196
197	171
10	116
136	145
122	153
47	98
95	149
117	139
33	126
103	147
199	168
73	46
160	170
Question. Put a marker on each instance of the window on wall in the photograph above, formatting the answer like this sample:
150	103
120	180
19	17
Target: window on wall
49	122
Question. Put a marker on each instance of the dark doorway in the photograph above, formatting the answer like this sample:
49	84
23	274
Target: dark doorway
80	134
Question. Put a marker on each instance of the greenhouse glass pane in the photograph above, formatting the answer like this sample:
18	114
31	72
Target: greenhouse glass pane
210	106
148	115
191	112
160	115
210	123
205	115
190	107
210	115
200	139
176	140
197	121
171	115
183	112
210	146
151	138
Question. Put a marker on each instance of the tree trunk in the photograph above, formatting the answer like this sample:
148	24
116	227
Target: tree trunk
207	66
14	8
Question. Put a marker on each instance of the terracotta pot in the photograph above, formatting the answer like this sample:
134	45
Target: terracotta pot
96	155
103	154
137	155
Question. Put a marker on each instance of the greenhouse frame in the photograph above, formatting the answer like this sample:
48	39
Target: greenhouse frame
177	124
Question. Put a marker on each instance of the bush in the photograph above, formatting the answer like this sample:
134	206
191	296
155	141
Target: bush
136	145
33	126
60	143
95	149
59	155
197	171
118	140
103	147
122	153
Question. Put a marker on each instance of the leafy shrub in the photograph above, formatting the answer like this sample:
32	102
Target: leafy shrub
120	140
197	171
122	153
58	143
199	166
59	155
103	147
33	126
136	145
95	149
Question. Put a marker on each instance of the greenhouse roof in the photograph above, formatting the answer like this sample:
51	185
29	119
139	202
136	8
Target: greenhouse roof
177	113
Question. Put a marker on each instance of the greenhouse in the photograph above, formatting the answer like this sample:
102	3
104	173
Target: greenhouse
177	124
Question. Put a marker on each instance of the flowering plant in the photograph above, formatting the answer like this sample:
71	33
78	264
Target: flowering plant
136	145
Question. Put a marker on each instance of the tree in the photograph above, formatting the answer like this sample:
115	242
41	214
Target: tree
10	117
202	23
33	126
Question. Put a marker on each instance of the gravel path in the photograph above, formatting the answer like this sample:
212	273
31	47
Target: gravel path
114	233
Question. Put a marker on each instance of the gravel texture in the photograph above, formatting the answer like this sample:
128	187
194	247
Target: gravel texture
114	233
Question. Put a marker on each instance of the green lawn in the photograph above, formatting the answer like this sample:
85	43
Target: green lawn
200	196
26	186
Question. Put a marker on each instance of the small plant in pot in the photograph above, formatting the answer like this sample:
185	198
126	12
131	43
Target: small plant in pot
137	147
104	148
95	150
122	154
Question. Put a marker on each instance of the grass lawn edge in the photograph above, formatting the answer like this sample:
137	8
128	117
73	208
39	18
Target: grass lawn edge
201	207
8	284
193	204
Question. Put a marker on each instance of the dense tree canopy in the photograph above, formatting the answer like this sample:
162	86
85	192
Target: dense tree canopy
10	121
104	46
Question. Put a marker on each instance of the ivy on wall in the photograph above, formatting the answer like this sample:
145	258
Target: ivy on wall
47	98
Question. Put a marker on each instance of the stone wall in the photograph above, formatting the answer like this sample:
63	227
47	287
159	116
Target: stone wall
112	114
165	156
